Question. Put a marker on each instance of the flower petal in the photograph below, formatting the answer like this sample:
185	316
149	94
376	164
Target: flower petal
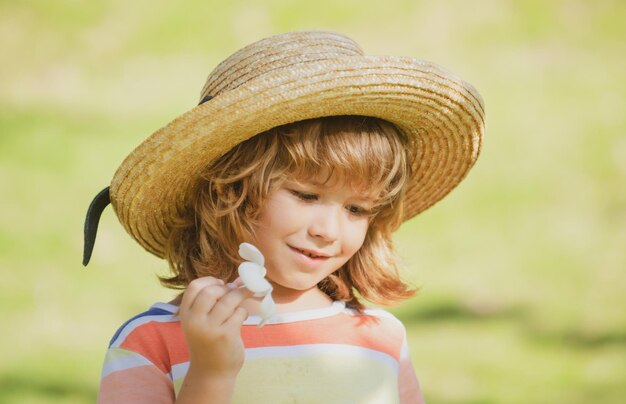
250	253
268	308
252	276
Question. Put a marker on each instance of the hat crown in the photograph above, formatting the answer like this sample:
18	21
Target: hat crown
277	52
289	78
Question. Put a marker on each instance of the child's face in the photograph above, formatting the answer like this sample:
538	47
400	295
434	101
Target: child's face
303	218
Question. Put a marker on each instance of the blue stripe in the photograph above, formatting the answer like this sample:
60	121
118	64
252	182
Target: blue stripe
151	312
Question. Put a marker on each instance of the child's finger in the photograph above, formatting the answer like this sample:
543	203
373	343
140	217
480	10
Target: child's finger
228	304
206	300
236	320
195	287
237	283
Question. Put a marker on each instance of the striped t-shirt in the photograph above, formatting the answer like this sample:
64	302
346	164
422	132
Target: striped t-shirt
328	355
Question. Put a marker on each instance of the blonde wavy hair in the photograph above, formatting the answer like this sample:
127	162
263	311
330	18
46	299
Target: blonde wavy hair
370	152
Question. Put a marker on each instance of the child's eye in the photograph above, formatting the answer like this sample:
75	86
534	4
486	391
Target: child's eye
357	210
304	196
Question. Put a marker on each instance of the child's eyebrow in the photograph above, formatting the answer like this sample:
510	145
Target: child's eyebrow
304	183
361	193
367	199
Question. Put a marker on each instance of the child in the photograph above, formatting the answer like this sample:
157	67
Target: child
314	153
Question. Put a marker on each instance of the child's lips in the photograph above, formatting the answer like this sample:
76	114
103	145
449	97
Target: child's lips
311	254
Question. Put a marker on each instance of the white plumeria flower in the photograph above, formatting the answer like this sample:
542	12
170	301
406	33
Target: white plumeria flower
252	273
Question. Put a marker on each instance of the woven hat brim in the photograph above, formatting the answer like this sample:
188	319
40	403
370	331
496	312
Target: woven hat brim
442	115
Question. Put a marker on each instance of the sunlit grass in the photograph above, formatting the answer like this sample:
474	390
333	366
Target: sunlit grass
521	268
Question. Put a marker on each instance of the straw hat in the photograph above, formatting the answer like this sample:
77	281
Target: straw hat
288	78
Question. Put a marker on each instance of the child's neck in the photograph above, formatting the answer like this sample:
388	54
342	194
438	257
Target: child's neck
296	300
289	300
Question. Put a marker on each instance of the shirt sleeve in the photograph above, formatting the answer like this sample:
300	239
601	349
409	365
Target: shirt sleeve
408	387
128	377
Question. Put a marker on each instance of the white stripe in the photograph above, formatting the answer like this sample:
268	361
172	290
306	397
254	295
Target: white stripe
280	318
123	362
334	350
404	351
179	371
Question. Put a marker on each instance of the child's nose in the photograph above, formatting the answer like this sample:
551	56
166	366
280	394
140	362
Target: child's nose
326	224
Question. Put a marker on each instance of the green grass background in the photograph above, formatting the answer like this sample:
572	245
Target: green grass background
521	269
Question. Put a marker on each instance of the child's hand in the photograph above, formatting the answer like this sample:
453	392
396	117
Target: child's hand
211	317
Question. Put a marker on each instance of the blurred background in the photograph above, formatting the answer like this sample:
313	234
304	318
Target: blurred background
521	268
